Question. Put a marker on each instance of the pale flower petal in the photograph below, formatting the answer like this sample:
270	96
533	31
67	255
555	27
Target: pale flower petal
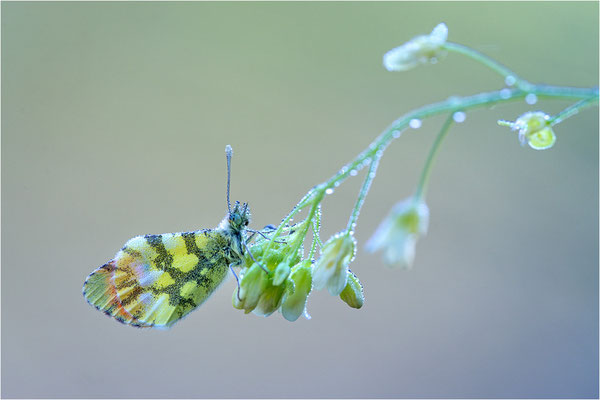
397	235
420	50
331	268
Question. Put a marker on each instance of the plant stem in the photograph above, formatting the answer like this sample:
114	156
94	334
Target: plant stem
363	193
572	110
488	62
451	105
316	227
424	179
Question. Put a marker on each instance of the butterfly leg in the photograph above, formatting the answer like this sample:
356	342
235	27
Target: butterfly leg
236	278
269	229
254	259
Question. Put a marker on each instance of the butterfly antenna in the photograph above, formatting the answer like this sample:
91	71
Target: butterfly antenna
228	153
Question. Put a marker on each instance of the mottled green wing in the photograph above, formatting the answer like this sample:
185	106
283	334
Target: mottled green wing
159	279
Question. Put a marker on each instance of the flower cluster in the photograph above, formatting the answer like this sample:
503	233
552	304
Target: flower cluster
420	50
290	278
278	276
534	129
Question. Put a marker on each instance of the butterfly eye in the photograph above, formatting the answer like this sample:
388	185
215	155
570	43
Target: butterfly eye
237	219
246	223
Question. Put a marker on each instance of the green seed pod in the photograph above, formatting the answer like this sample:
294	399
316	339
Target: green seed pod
353	292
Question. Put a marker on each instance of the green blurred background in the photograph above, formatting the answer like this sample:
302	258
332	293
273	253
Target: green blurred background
115	117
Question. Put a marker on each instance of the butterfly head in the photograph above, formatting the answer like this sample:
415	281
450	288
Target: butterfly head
238	217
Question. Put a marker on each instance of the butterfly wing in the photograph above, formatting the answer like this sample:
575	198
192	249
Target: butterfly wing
99	290
155	280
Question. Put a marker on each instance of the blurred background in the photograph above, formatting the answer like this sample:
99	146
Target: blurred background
115	117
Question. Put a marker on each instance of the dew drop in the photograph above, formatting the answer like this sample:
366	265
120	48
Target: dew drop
306	314
328	191
415	123
505	93
531	98
396	134
433	60
510	80
459	116
336	184
353	172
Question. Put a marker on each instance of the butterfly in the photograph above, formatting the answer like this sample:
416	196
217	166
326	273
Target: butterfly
156	280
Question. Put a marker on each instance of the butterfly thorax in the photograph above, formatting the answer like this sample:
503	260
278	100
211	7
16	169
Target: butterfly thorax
233	227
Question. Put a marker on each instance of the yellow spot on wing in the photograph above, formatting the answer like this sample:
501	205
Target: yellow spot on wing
187	290
202	240
174	244
185	263
164	280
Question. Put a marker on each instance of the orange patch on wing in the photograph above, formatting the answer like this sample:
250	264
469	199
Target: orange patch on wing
100	291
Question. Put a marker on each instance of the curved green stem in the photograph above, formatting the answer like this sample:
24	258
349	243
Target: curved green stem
451	105
572	110
316	227
363	192
424	179
488	62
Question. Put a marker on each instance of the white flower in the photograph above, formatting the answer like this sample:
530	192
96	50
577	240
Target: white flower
331	269
398	233
420	50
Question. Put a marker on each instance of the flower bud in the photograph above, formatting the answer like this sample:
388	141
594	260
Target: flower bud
419	50
300	285
253	283
269	301
534	129
353	292
332	267
281	273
